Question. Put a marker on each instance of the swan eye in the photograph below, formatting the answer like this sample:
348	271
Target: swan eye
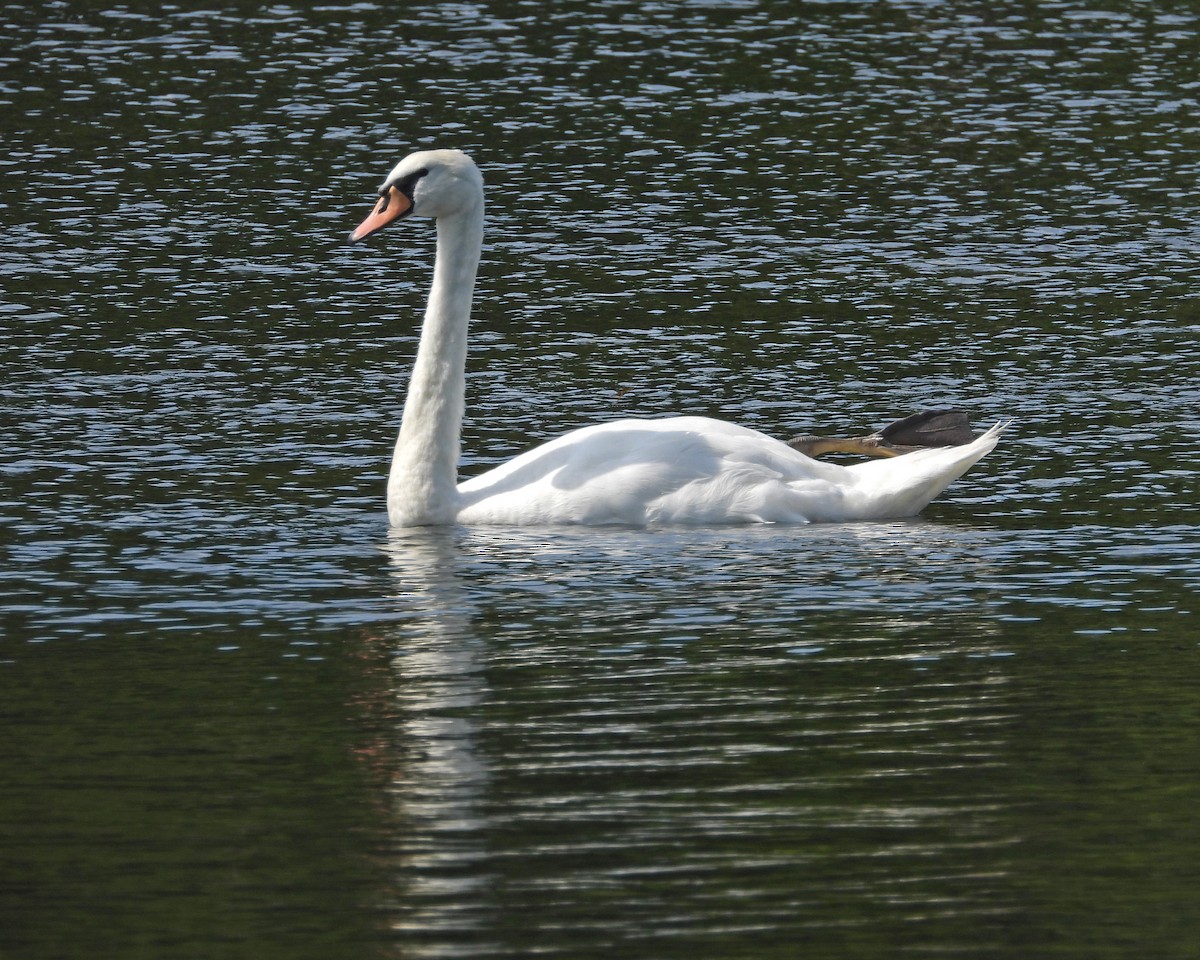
408	183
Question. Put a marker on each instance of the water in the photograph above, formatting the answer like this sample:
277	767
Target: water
244	718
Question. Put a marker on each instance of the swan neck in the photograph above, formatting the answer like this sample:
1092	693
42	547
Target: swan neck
423	484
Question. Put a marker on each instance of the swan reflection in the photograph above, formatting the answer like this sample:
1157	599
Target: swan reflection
439	789
698	724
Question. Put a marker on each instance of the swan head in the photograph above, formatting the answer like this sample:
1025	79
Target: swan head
431	183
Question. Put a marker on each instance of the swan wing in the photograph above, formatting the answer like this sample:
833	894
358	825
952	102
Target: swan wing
615	472
699	471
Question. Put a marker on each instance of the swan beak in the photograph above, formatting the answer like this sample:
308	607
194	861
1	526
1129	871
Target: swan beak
391	205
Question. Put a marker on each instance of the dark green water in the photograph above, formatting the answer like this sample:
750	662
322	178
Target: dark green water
242	719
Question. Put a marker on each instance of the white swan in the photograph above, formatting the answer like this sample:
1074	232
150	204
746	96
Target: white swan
676	470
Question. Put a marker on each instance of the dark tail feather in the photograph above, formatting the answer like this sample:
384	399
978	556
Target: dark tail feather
930	428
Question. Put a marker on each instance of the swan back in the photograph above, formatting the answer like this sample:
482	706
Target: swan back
693	470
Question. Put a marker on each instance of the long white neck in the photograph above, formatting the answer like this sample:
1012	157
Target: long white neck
423	484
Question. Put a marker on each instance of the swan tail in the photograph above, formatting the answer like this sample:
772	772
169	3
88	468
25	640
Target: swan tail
904	486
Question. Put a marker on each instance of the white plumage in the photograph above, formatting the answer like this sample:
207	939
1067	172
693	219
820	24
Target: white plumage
690	470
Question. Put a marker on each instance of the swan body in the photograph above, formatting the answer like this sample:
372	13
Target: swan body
691	470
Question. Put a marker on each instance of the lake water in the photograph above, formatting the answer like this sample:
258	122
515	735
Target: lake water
242	718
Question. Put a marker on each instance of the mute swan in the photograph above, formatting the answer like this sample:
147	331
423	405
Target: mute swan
676	470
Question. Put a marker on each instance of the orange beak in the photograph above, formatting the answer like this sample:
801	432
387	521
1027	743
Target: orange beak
391	205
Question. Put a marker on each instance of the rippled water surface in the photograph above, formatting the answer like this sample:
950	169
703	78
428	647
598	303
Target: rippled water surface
242	718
